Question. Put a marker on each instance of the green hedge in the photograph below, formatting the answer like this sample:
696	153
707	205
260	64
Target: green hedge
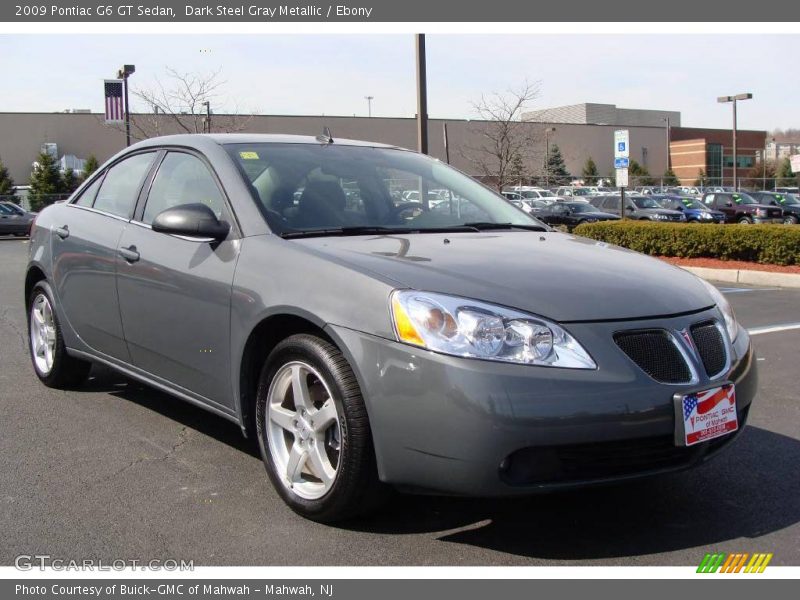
770	244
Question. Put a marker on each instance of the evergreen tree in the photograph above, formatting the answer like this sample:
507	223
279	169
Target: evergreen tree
90	166
556	169
45	182
517	170
783	173
589	172
701	178
6	183
670	178
638	174
69	181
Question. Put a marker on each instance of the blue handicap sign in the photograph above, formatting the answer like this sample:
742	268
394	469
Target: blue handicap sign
621	146
621	163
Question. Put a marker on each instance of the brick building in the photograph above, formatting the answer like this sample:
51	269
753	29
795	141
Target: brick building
711	151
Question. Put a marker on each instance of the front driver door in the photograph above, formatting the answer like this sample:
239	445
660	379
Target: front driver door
175	291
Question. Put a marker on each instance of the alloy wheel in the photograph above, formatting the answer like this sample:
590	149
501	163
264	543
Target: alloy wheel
304	434
43	334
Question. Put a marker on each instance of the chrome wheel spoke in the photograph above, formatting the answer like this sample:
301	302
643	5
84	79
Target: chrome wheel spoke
43	334
283	417
325	416
295	464
321	465
302	397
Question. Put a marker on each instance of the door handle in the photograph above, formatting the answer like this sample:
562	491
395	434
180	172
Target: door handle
62	232
130	254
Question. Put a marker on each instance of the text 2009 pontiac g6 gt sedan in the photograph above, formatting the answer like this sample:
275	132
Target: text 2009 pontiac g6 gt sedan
368	341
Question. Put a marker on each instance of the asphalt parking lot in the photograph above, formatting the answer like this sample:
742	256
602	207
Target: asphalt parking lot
120	471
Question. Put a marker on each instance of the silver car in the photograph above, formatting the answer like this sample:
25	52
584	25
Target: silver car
371	343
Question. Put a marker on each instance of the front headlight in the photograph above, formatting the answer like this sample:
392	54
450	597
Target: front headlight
469	328
660	217
725	308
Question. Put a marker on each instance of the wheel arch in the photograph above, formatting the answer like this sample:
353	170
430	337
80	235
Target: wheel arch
34	275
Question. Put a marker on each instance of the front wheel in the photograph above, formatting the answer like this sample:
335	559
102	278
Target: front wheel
745	221
53	366
313	431
790	220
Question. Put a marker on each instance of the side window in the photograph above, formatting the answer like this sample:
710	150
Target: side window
87	196
182	179
709	200
121	185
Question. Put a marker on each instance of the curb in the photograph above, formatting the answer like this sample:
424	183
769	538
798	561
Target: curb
787	280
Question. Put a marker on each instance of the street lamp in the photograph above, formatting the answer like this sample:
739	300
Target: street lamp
547	132
734	100
123	73
369	100
207	124
669	135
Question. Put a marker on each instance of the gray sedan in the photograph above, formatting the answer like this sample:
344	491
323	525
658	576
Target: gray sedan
14	220
370	343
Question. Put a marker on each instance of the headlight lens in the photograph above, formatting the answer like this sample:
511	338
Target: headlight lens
660	217
469	328
725	308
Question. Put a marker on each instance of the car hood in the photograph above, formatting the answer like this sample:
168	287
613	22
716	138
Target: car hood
555	275
659	211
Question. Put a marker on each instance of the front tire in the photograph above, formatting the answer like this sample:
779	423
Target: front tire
51	363
313	431
745	221
790	220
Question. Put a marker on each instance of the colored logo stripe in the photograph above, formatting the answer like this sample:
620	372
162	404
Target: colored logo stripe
734	563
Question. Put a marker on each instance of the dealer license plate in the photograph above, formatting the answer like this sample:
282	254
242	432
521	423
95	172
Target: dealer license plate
705	415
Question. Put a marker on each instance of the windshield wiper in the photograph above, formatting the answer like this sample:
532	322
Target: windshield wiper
487	226
373	230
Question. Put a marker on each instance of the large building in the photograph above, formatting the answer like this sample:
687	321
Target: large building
589	113
22	136
707	154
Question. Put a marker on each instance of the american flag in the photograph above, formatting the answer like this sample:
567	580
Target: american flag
115	107
705	401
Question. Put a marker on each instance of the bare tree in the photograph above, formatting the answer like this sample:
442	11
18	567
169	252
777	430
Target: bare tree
506	143
178	105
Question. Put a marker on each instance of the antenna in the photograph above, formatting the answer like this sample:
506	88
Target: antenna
326	137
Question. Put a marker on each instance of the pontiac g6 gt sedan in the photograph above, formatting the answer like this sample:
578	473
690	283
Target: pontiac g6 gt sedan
370	343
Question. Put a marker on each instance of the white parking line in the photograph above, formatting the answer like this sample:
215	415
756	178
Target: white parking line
741	290
773	328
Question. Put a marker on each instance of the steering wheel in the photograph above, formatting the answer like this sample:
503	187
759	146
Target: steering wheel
408	210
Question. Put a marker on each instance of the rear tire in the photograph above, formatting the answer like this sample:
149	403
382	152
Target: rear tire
790	220
745	221
51	363
314	433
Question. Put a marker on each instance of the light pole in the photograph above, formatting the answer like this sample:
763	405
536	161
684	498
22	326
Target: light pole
669	135
734	100
369	100
207	124
125	72
547	132
422	95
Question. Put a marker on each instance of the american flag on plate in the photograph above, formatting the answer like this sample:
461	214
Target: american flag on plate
115	106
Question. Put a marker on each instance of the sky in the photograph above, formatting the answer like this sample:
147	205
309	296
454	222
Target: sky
332	74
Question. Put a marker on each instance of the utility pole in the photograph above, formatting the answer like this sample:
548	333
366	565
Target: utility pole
125	72
207	124
734	99
369	100
422	95
669	136
547	132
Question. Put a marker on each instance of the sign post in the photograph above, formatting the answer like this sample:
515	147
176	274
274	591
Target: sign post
794	159
621	162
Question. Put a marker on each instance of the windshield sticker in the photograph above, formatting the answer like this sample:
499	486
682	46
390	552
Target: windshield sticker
249	155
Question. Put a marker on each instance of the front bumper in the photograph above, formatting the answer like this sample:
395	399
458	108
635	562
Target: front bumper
452	425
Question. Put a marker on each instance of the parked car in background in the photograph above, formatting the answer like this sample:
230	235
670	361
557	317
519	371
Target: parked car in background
788	190
692	208
572	214
572	191
15	220
643	208
527	191
787	202
362	348
742	208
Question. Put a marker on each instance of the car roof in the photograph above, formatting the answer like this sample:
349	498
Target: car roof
200	140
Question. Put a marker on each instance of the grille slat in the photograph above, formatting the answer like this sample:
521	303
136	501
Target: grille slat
710	346
655	353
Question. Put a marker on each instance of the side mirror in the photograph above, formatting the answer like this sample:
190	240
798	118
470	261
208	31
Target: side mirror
191	220
629	208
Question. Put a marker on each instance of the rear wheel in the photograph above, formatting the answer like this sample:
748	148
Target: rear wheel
314	433
790	220
745	221
53	366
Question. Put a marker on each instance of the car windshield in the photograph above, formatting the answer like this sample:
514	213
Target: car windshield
743	199
5	210
785	199
530	194
646	203
693	203
792	199
580	191
330	189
